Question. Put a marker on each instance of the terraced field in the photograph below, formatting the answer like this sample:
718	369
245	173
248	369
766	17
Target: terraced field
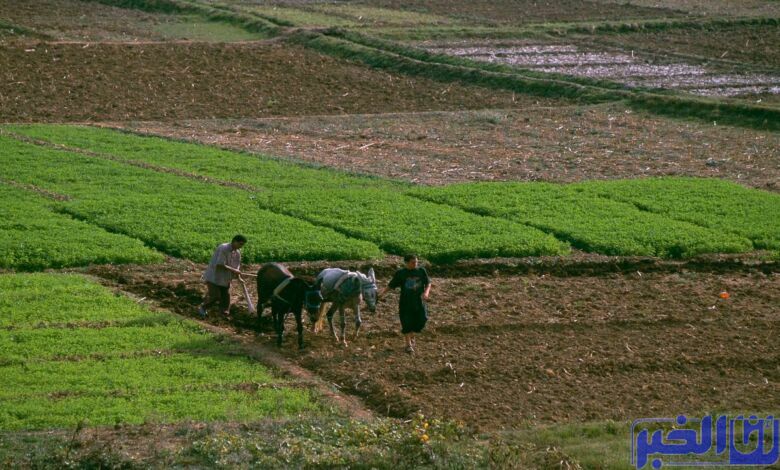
375	212
752	46
523	11
222	80
639	57
364	213
535	143
345	15
592	224
624	66
743	8
34	237
716	204
129	200
591	184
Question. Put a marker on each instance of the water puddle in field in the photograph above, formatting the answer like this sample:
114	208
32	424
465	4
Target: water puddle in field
618	71
633	71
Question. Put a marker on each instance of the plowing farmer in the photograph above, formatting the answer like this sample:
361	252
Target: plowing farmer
224	267
415	287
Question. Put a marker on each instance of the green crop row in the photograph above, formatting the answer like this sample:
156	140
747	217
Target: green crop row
38	300
262	173
588	221
402	224
33	237
141	371
145	373
206	405
288	16
178	216
21	345
367	15
591	216
718	204
250	23
368	208
345	16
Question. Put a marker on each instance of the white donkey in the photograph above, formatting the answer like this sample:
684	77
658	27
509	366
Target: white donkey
344	289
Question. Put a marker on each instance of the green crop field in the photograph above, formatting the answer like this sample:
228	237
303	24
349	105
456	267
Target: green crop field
590	222
141	371
720	205
196	215
299	17
367	15
21	345
367	208
40	300
196	28
589	216
342	15
262	173
33	237
402	224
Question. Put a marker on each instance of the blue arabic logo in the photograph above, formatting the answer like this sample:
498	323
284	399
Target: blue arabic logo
691	442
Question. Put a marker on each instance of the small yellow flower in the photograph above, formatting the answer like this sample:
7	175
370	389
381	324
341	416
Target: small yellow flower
425	425
425	438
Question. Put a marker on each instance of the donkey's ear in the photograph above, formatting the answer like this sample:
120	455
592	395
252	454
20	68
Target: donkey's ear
371	274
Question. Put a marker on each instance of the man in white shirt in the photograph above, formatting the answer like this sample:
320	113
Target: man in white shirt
225	266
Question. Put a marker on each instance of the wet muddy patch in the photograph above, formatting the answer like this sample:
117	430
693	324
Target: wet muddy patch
627	67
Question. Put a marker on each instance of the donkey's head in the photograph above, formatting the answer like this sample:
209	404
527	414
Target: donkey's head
312	300
368	289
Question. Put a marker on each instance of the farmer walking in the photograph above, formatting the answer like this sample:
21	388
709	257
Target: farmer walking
415	287
225	266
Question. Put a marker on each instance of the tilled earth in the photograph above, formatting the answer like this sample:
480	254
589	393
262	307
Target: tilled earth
753	44
82	20
560	144
504	350
64	82
522	11
708	7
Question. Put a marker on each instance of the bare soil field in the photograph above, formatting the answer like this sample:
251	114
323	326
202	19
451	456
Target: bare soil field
754	45
75	20
537	143
524	11
709	7
508	350
155	81
69	19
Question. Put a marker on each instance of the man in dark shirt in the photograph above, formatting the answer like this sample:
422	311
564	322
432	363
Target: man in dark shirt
415	287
